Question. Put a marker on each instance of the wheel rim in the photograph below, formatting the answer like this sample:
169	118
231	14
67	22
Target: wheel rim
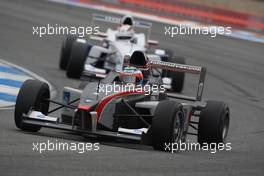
42	104
177	127
225	126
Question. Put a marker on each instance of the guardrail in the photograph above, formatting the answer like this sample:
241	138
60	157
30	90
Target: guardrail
180	8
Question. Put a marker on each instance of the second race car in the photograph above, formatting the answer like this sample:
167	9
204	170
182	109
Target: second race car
80	57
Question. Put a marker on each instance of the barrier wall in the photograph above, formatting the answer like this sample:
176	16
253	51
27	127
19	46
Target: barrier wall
181	8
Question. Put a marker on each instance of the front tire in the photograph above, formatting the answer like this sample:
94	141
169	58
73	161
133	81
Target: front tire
31	96
167	124
213	123
66	51
77	59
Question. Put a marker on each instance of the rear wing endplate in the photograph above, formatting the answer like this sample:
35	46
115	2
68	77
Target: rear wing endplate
185	69
115	20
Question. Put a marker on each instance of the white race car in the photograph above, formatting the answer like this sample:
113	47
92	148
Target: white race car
80	58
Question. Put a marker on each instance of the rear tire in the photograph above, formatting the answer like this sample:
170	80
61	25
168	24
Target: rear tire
167	124
66	51
77	59
177	78
213	123
31	96
167	56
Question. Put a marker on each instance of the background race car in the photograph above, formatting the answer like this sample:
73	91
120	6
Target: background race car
80	57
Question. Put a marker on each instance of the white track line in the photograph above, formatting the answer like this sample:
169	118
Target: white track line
1	64
30	73
6	104
14	77
9	90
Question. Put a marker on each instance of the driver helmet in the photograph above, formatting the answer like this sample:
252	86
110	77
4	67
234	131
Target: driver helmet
131	75
125	32
128	20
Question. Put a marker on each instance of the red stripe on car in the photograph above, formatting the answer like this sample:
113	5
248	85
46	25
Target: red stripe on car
107	99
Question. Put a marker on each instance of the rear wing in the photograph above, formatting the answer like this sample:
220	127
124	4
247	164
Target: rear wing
185	69
116	20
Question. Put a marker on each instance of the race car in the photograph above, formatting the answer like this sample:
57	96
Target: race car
80	57
148	116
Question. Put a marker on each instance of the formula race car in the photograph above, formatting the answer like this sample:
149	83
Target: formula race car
80	57
150	116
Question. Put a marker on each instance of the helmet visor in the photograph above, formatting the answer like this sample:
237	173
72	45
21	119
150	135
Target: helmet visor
128	79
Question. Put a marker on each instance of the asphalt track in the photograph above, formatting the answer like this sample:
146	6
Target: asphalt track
235	75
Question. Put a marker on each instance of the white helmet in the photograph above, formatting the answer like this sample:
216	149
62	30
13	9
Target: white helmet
125	32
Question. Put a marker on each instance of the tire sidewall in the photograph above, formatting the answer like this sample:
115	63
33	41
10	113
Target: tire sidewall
30	97
211	122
